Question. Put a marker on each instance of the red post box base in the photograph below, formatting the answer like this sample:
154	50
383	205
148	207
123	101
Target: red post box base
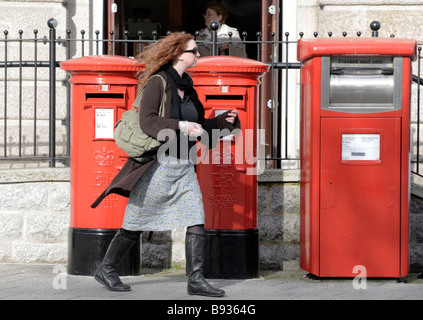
231	254
87	247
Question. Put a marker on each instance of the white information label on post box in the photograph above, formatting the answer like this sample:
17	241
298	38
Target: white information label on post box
361	147
104	123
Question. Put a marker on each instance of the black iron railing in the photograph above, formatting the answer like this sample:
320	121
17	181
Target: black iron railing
27	111
19	144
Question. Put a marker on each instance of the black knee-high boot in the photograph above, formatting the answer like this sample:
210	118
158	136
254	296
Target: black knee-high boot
106	273
194	251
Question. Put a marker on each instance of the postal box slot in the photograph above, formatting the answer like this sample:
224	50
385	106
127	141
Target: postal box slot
237	100
211	98
96	96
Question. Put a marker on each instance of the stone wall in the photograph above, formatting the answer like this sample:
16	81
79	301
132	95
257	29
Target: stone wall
401	18
35	211
34	215
416	234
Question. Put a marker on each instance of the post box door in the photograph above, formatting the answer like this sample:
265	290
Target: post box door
229	191
360	196
96	159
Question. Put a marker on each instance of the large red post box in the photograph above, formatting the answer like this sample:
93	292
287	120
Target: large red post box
355	154
103	87
228	173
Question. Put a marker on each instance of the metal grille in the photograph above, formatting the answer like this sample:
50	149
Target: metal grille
35	124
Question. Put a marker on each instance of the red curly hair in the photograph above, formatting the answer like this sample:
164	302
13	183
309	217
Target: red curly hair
161	53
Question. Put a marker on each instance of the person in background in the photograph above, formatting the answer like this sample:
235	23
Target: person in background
164	193
218	12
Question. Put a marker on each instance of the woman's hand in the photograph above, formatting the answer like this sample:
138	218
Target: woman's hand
232	116
191	129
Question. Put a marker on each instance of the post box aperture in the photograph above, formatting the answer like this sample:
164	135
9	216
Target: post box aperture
361	84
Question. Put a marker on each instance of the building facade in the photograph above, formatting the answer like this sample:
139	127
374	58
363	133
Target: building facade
35	229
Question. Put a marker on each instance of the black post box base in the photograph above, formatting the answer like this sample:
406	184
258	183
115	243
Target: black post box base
87	248
231	254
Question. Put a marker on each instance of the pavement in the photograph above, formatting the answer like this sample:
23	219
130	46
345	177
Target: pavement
51	282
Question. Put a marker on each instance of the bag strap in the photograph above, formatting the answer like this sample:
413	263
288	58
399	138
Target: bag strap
137	101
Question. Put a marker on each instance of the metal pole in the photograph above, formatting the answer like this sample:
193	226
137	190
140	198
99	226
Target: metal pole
214	26
418	112
375	26
68	100
5	93
52	23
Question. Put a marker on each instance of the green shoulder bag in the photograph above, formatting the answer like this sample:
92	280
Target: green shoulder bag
128	135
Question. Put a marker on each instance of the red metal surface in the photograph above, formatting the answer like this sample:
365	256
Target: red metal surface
353	213
228	182
310	48
103	87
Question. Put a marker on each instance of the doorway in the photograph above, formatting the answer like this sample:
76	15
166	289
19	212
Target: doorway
250	16
176	15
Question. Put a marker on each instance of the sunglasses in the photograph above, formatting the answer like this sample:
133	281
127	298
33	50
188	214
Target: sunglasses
194	51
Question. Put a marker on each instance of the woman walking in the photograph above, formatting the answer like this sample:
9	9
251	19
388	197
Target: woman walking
164	193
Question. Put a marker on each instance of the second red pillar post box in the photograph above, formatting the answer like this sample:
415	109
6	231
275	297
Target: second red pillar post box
103	88
229	181
355	148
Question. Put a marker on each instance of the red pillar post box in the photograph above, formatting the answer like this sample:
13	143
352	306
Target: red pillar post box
228	173
103	88
355	148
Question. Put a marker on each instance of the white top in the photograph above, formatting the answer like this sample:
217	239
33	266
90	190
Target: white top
223	32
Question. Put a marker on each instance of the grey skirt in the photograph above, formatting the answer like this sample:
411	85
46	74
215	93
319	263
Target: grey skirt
167	197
